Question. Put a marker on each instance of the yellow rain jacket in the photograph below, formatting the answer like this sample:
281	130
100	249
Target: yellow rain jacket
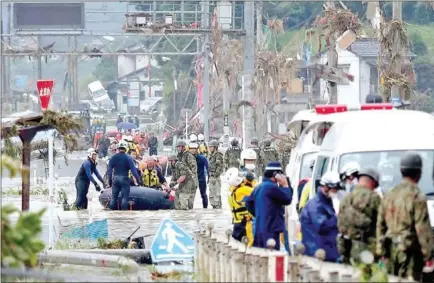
238	208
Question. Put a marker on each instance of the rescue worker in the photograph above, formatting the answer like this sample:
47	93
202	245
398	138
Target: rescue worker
404	235
136	121
268	153
286	155
133	155
119	166
152	144
358	217
131	145
118	121
84	177
152	177
182	183
203	149
267	204
215	170
202	170
304	188
319	224
191	139
188	159
349	175
248	165
232	155
239	192
129	119
254	144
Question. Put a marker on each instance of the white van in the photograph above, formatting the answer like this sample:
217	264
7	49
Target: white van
378	139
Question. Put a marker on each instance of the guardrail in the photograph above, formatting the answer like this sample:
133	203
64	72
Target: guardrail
220	258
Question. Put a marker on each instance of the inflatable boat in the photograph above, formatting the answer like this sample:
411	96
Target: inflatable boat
141	198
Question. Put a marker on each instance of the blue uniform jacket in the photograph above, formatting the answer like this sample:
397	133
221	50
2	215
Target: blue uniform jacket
202	167
319	227
160	175
86	170
267	204
121	163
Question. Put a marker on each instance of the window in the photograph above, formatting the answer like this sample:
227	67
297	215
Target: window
322	163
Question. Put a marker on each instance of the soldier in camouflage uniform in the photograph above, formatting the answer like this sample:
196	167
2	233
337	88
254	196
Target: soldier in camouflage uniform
254	144
232	155
286	155
268	154
404	235
188	159
357	219
182	182
215	165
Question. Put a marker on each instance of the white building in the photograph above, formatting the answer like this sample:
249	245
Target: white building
361	61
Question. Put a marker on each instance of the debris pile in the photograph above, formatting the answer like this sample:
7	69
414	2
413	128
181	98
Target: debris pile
334	22
394	45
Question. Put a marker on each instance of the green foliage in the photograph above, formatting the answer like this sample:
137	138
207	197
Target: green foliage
372	273
106	70
20	243
418	45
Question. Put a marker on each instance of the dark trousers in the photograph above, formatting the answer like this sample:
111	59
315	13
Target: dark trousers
120	184
153	151
202	189
82	188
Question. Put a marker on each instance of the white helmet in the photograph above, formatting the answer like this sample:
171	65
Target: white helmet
193	145
193	138
91	151
349	169
232	177
123	144
331	180
200	137
248	154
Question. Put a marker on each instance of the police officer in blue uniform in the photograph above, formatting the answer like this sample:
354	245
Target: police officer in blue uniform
121	163
84	177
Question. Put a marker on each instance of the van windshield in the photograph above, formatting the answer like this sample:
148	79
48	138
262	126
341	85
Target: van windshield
387	164
305	171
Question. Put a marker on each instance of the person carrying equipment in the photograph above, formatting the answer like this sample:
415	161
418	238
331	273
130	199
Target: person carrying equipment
120	165
84	177
239	192
152	176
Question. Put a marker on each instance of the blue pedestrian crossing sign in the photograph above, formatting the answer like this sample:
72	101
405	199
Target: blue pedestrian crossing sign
171	243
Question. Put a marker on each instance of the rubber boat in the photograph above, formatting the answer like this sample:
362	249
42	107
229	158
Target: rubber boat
142	198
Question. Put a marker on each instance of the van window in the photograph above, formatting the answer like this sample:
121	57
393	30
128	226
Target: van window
321	166
320	132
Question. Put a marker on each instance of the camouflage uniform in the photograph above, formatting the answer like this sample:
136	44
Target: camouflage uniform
214	183
286	155
232	158
404	234
186	188
267	155
188	159
357	222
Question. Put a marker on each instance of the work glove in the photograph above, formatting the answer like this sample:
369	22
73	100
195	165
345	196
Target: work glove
98	188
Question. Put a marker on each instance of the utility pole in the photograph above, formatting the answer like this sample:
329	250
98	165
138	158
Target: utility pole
332	61
205	23
39	61
259	34
75	74
249	65
395	92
